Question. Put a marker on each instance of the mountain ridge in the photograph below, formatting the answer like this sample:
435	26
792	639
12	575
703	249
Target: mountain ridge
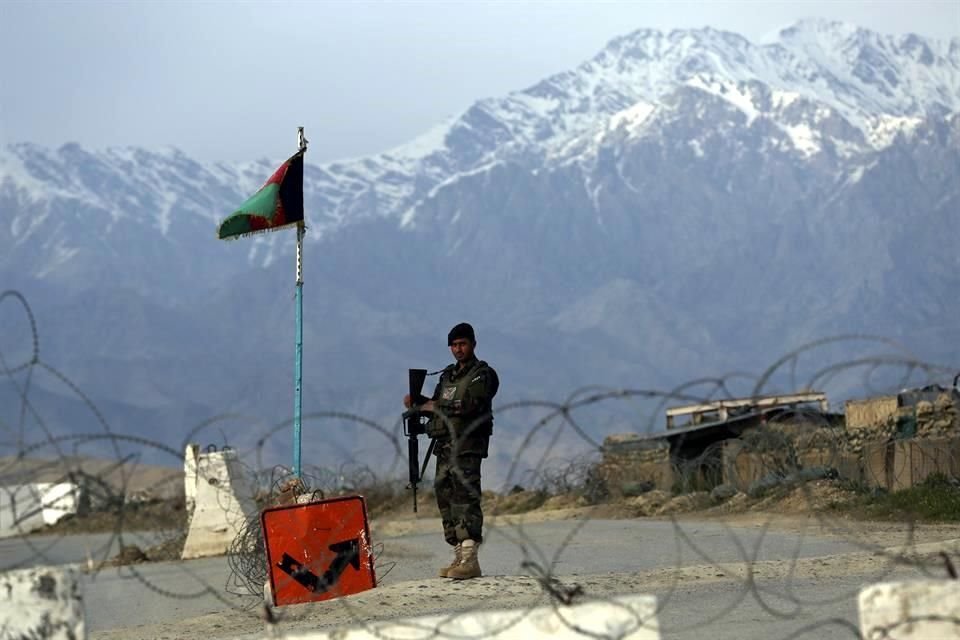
514	127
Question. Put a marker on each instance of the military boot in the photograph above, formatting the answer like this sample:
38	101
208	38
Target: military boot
469	566
457	557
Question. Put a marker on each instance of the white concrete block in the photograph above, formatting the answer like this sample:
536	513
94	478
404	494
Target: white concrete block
58	500
190	457
43	603
628	617
911	610
31	506
223	504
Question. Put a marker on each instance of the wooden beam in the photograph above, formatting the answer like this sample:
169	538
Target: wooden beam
758	402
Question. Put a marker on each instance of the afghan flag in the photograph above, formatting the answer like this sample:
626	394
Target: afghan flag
278	204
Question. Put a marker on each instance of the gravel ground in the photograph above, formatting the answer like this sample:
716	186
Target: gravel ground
747	576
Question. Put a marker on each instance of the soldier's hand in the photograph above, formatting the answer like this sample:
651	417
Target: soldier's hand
407	401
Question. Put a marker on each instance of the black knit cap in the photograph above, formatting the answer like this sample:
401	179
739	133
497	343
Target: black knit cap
462	330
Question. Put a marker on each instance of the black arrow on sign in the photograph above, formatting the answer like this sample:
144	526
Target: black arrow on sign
348	553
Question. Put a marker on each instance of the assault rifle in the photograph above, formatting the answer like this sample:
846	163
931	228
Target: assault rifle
414	427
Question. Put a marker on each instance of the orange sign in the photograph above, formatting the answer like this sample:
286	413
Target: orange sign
318	551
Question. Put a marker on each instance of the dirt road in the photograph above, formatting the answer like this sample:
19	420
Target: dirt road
751	576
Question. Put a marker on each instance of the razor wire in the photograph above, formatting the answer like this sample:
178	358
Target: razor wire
796	457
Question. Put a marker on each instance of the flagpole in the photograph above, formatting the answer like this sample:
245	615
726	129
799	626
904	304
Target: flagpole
298	350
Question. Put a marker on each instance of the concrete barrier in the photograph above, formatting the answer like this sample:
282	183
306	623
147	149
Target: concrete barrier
41	603
629	617
190	457
46	603
223	504
31	506
915	610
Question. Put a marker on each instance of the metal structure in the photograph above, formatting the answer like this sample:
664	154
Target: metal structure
298	348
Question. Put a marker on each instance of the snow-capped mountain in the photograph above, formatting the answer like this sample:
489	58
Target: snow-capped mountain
819	76
682	203
820	79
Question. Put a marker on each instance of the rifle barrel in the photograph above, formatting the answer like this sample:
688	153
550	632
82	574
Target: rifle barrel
413	458
416	378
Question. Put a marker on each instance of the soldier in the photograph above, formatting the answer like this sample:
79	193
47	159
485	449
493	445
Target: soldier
461	425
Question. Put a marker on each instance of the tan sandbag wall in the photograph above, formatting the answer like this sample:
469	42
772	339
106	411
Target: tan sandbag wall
627	458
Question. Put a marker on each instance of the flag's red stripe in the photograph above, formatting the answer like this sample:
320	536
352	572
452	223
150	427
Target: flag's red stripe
278	175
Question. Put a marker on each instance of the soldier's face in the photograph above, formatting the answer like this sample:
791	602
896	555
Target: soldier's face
462	349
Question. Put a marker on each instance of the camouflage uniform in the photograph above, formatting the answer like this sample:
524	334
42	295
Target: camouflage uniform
461	425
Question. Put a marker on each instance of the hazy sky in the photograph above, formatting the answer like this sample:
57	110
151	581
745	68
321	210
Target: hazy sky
232	80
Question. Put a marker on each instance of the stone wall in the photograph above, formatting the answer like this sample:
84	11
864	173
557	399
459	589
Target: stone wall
878	419
856	441
938	419
883	446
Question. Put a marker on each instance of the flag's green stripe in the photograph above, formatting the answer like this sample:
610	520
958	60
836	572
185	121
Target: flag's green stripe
262	204
234	226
